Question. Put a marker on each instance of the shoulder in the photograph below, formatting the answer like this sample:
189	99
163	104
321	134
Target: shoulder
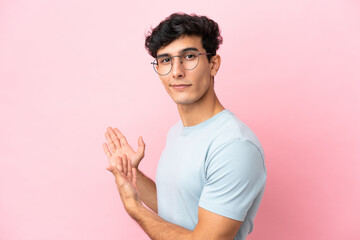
231	132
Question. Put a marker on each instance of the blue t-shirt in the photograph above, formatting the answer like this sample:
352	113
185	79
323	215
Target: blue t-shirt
217	165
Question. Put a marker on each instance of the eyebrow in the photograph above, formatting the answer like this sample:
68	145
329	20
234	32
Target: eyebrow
182	51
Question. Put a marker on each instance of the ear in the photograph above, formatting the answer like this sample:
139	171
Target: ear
215	63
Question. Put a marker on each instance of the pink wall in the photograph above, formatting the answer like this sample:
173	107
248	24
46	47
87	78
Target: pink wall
69	69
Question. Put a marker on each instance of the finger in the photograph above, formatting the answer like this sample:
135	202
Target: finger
124	164
109	155
110	168
119	164
119	176
129	168
113	166
107	151
110	142
114	137
141	147
113	170
112	161
134	174
122	138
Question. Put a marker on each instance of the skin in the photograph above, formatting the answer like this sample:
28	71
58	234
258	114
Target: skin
197	101
193	93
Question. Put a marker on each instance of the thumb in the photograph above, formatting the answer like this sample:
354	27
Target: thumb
113	170
141	146
110	168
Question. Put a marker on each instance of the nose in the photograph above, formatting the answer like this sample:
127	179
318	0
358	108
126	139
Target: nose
177	70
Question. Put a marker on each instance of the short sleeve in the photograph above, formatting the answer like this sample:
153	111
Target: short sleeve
235	174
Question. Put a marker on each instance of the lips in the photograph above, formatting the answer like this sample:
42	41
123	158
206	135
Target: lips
180	86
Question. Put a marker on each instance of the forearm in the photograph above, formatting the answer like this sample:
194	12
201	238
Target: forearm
156	227
147	190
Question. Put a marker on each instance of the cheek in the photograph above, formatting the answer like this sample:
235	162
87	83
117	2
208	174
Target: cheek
204	78
163	81
204	72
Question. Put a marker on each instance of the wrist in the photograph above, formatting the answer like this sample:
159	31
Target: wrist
133	206
138	172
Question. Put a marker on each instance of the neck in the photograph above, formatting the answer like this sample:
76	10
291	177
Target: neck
200	111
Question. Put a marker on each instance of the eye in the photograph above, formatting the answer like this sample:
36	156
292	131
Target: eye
165	60
189	56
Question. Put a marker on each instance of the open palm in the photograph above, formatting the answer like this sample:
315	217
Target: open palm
118	146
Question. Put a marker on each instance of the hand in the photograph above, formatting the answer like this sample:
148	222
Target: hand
126	181
118	145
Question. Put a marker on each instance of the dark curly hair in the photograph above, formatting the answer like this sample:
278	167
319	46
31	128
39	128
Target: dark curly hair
179	24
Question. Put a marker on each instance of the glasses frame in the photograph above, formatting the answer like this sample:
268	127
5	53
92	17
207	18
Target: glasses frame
155	62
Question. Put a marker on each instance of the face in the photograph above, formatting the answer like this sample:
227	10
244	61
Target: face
188	86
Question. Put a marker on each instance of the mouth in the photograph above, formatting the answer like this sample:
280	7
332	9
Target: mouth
180	86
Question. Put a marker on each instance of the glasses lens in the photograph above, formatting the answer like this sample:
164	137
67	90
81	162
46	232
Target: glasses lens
190	59
162	65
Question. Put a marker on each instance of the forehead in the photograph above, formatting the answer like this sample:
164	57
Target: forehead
176	46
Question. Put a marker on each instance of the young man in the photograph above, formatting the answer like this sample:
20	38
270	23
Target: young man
211	175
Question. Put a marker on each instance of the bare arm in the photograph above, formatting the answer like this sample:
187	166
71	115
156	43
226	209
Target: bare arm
117	146
210	226
147	190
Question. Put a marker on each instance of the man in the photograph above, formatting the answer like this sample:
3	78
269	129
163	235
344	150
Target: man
211	175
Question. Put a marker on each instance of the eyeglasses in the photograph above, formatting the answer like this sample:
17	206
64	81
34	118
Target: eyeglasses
188	59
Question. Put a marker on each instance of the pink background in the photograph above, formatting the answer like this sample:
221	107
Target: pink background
68	69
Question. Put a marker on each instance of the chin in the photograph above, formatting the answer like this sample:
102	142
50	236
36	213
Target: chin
186	101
